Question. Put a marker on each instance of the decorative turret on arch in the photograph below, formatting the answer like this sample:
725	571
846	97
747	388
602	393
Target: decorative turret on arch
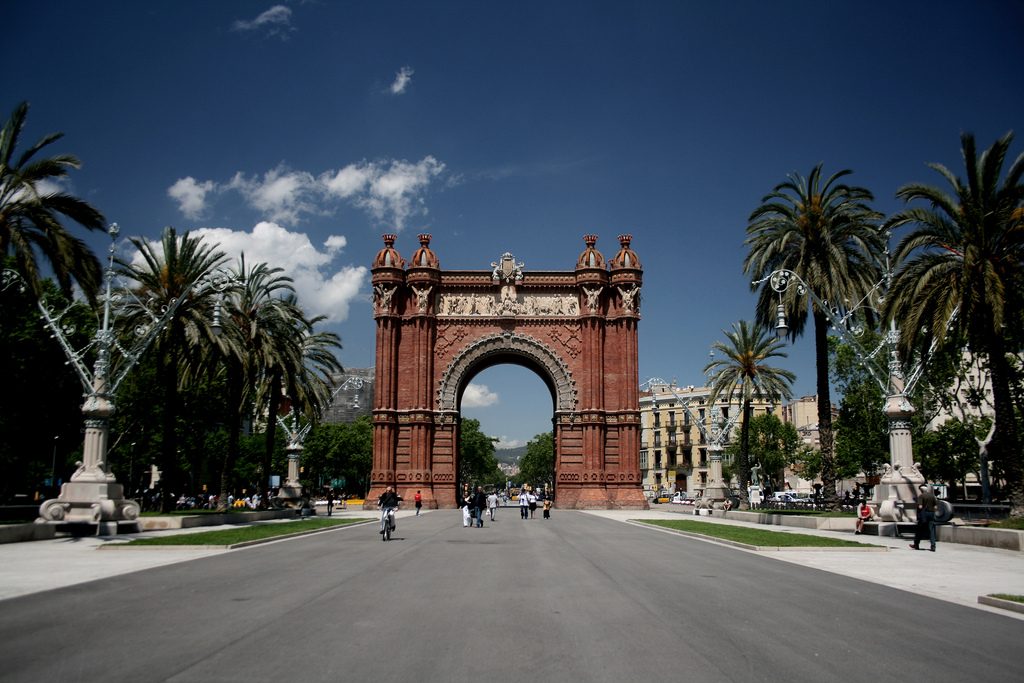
576	329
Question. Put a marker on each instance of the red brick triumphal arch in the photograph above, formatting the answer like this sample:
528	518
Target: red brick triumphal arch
577	329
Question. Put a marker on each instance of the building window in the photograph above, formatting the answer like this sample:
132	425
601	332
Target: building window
657	439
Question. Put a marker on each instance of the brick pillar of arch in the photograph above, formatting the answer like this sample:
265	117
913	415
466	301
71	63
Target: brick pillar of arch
436	329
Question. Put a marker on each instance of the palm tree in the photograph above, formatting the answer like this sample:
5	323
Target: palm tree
966	254
307	384
743	370
261	334
825	232
31	205
168	272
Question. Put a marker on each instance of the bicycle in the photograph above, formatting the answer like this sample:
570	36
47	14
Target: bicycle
387	523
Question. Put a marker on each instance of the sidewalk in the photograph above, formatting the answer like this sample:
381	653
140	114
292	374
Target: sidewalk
956	573
35	566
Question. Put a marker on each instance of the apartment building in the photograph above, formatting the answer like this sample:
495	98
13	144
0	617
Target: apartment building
678	429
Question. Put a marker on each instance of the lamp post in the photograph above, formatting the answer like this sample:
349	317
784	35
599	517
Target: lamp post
92	495
715	434
893	499
290	493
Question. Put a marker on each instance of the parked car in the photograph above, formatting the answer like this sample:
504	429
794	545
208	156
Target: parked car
682	499
791	498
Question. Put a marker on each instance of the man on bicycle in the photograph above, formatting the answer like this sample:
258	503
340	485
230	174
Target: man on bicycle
388	503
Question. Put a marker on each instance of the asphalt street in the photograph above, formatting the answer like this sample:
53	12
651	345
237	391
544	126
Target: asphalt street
579	597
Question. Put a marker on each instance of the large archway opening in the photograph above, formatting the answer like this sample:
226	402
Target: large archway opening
509	402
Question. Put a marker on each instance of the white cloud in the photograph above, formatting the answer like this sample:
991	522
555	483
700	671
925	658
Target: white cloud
335	243
281	195
390	191
347	182
478	396
276	21
505	442
402	79
396	192
320	291
191	195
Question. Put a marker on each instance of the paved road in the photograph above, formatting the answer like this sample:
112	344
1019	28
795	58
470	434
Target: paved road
576	598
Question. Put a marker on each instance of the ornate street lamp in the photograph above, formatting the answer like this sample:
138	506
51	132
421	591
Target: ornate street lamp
92	495
715	433
894	497
290	494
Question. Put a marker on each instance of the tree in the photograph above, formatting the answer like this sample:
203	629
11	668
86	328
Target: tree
305	380
537	465
862	429
40	421
342	451
260	333
964	255
477	464
31	207
825	232
170	272
773	444
743	371
950	452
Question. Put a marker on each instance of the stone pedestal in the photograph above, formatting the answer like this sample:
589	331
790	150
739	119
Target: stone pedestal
895	497
291	494
92	495
716	493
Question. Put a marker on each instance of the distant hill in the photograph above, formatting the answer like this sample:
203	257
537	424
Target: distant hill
509	455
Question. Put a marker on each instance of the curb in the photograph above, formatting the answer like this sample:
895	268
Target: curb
233	546
993	601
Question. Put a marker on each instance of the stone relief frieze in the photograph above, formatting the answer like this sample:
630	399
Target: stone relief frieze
476	304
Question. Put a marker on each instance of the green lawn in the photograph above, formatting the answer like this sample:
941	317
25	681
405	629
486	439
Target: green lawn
757	537
1007	596
1009	524
247	533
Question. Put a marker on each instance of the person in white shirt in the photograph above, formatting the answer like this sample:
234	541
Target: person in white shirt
492	503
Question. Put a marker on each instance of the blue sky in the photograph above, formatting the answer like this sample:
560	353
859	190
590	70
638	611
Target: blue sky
299	132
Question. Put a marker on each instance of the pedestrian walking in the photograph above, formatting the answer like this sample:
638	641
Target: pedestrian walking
532	502
419	502
330	503
926	504
479	505
465	510
524	504
547	508
492	503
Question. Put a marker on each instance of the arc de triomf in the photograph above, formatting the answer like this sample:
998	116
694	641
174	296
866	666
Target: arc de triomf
577	329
